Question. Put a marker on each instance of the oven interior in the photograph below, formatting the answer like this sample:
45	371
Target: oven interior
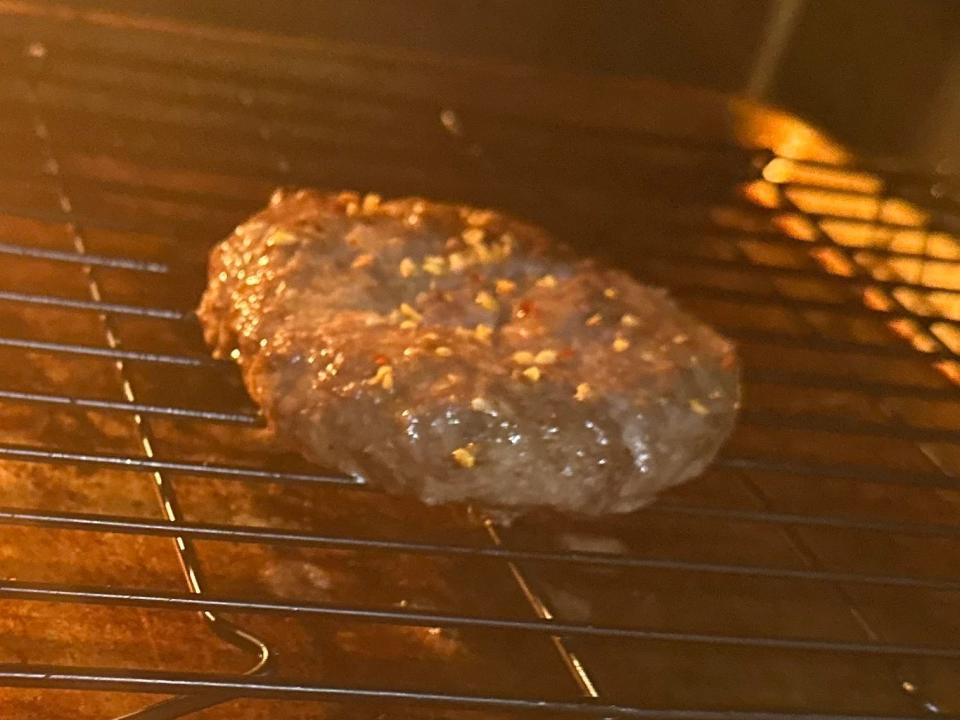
162	559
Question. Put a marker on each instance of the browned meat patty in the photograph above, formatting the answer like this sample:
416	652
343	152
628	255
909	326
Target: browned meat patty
460	355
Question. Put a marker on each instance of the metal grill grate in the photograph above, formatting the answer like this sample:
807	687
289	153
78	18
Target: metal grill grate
810	572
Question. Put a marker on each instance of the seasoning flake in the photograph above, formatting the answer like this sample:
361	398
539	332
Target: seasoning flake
435	264
383	377
546	357
464	457
505	286
483	333
408	268
361	261
532	373
487	301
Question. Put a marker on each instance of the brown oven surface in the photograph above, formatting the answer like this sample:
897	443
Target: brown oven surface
162	559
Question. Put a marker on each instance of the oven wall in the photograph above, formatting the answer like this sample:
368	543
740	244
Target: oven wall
878	74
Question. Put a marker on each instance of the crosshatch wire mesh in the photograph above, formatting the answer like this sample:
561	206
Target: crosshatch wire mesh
162	559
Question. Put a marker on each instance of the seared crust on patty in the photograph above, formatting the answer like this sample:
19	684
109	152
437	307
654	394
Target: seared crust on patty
461	355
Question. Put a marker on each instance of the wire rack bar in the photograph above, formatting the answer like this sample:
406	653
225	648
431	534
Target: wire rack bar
947	392
837	522
813	381
765	268
841	471
109	352
86	403
683	234
795	421
686	236
122	462
768	337
210	602
681	290
799	519
93	305
106	679
863	473
848	308
839	424
808	341
270	536
79	258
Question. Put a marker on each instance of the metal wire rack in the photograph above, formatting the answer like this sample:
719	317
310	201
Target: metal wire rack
811	572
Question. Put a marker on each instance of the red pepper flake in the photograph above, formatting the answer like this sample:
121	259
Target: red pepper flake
567	353
381	359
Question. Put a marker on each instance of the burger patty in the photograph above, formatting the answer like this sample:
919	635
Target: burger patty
458	354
